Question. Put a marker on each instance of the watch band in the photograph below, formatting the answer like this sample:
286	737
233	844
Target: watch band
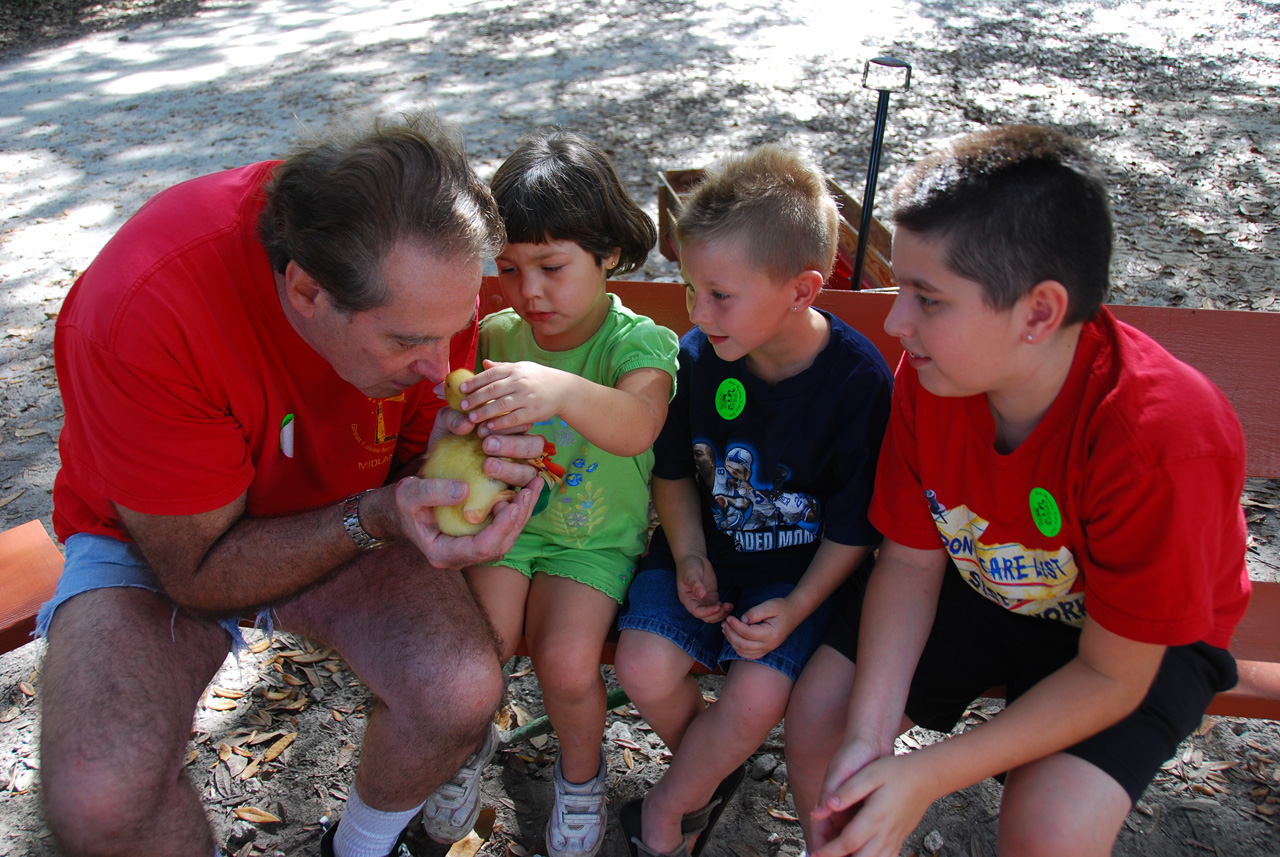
351	523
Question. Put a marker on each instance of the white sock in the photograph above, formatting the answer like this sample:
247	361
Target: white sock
367	832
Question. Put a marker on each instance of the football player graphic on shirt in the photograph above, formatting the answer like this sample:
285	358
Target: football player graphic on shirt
756	506
758	518
794	507
716	479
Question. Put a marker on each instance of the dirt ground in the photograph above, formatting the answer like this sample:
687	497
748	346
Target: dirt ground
104	104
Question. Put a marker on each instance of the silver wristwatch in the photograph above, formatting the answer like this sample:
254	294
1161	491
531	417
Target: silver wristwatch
351	523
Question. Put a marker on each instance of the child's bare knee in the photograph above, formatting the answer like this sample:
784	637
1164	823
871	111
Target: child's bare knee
638	674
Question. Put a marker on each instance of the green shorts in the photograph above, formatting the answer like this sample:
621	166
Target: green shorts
608	571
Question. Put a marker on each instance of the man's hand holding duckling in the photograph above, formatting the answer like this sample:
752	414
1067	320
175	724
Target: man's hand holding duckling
407	508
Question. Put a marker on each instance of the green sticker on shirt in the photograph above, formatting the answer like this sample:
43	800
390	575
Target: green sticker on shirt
731	398
1045	512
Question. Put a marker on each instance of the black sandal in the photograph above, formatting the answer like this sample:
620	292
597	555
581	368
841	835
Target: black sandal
699	823
629	821
714	809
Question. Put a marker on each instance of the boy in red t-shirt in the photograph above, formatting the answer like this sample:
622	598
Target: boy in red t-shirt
1059	499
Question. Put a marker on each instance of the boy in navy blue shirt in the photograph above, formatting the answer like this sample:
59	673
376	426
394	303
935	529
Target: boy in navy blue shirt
762	482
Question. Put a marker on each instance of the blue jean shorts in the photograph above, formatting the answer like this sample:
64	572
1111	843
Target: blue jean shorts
653	605
101	562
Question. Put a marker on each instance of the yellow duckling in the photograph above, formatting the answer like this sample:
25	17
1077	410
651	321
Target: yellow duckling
460	457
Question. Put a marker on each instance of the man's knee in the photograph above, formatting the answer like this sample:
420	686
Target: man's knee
93	808
465	686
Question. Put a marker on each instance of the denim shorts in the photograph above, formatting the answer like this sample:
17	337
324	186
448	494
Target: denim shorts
652	605
101	562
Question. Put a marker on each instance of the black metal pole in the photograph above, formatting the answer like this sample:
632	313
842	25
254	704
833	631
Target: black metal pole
877	141
869	195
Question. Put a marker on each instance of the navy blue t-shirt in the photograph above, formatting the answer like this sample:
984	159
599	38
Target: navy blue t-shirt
778	468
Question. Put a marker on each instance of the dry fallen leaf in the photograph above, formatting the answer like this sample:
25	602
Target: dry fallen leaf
218	704
14	496
628	759
255	815
467	846
26	688
260	646
225	693
782	816
345	755
11	713
279	747
251	770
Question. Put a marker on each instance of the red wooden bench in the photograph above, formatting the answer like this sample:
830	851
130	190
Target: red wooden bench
1238	351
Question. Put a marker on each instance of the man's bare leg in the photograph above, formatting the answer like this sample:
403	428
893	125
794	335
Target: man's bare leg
415	637
122	677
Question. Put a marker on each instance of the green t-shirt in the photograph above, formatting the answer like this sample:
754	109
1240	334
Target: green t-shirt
606	502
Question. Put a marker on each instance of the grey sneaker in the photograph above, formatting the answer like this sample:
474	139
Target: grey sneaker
576	825
451	811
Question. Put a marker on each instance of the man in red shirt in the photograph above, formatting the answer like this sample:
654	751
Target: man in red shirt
248	372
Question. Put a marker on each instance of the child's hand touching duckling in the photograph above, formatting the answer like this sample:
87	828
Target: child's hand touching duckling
510	397
461	457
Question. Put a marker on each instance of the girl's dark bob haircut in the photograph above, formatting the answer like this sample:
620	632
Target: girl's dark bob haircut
559	186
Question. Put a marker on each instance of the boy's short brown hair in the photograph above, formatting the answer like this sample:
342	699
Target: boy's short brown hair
1016	206
773	202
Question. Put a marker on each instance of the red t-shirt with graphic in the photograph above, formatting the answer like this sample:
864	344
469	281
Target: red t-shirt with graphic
185	386
1124	502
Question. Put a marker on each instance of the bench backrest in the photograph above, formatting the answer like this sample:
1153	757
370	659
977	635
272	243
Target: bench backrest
1237	351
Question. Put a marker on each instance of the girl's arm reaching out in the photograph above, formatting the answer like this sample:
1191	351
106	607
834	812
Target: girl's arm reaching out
623	420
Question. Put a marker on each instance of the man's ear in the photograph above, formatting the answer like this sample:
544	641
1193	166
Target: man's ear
1046	307
807	284
301	291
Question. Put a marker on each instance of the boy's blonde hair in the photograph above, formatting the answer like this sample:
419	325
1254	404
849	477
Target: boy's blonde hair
774	203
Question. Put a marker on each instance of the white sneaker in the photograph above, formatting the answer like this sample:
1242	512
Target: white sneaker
451	811
576	825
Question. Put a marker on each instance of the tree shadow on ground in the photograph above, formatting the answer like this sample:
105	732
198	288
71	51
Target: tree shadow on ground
29	24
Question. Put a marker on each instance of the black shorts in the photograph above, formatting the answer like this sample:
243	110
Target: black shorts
976	644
